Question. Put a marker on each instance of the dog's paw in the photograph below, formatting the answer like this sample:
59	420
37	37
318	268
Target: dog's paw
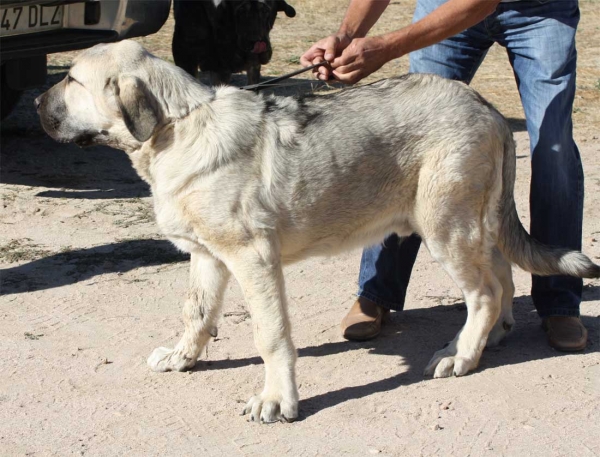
265	409
165	359
444	364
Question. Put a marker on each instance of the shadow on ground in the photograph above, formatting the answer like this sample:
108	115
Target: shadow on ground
71	267
409	336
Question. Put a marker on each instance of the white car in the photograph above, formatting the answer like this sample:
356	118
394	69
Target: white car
32	29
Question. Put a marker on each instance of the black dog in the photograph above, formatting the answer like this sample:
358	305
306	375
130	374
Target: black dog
225	36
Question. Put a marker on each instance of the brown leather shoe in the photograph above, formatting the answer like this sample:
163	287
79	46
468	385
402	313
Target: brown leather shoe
565	333
363	321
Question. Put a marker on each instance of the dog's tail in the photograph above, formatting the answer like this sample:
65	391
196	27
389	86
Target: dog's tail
519	247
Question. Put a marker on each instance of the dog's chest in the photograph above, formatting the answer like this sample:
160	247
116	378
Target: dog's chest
173	223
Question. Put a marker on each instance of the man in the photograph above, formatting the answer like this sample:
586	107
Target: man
451	38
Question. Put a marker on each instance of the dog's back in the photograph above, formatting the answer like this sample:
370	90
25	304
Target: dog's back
325	155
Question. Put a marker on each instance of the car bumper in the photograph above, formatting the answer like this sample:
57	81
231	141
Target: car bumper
117	20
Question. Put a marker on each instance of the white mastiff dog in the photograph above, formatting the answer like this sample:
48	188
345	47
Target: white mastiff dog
247	183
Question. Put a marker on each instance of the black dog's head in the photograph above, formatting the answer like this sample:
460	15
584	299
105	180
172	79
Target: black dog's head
254	20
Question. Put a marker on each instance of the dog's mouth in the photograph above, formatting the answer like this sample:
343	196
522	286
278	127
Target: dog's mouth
89	138
259	50
259	47
83	139
253	46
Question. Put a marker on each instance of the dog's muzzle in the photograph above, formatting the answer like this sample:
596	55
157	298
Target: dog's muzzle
50	116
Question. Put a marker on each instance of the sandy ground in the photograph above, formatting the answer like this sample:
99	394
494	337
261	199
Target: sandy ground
90	288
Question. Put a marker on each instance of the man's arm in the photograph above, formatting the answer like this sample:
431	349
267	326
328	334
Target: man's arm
361	16
362	56
447	20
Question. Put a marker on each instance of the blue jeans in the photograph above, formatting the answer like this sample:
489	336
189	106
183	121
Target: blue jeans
539	37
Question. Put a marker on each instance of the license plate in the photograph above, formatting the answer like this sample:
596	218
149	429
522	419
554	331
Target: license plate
18	20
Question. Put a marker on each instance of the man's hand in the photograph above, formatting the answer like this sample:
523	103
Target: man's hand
326	49
360	58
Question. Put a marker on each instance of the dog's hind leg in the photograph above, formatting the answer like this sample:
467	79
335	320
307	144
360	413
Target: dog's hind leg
505	322
472	272
258	270
208	279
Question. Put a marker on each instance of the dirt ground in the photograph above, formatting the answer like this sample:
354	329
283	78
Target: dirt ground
90	288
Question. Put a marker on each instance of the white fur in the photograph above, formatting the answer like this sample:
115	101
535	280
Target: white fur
247	184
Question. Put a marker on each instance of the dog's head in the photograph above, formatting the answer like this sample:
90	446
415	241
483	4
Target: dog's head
254	20
117	95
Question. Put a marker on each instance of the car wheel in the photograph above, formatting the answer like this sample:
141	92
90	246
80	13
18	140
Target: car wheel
8	97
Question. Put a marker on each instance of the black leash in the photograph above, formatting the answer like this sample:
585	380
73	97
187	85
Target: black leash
272	82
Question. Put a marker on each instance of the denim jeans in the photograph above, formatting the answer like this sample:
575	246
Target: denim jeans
539	37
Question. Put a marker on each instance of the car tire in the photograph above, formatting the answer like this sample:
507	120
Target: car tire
8	96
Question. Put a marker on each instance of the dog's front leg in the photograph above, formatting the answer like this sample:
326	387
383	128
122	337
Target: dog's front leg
258	270
208	278
253	73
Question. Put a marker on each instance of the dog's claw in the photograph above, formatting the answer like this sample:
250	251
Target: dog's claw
287	420
444	366
271	411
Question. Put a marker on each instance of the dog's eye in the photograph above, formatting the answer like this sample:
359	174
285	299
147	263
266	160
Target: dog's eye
70	79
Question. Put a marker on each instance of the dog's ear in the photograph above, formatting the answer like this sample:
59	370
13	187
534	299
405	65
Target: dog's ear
137	106
287	9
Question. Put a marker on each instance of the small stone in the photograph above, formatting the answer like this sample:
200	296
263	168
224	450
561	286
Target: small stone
437	427
374	451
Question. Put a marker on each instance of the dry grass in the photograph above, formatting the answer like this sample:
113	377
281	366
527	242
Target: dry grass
21	250
125	212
